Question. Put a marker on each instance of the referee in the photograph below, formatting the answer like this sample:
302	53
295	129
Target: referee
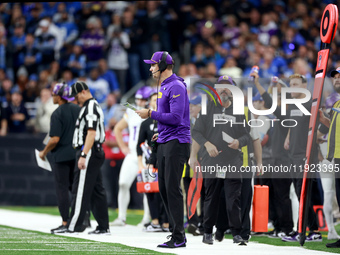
88	188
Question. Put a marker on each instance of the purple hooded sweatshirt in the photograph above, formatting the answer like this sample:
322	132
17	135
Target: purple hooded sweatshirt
172	113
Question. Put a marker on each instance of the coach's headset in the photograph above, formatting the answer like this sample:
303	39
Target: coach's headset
162	65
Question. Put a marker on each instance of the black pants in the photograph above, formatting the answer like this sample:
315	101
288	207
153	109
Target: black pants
297	181
171	157
232	191
63	175
222	222
88	190
283	204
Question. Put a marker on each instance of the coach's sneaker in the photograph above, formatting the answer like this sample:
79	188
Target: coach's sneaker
334	245
239	240
314	237
153	228
291	237
208	238
172	243
118	223
61	228
98	231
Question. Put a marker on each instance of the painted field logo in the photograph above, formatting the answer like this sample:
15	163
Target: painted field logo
238	99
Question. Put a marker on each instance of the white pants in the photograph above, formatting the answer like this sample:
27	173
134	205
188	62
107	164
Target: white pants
328	186
128	174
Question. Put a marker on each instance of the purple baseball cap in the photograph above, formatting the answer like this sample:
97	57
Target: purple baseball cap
226	78
63	91
157	57
335	71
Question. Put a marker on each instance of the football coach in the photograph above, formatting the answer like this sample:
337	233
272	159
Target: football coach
173	141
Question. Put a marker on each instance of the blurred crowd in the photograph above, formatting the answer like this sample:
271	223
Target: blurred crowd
103	43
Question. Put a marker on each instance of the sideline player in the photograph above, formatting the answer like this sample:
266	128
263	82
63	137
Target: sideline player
129	169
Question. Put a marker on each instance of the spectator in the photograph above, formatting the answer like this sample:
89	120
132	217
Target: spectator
232	31
99	87
93	42
43	82
54	71
209	21
30	92
230	68
46	43
67	77
58	15
18	42
116	23
109	76
30	56
68	29
131	26
45	109
117	56
16	114
22	79
112	110
5	92
50	8
267	29
77	61
33	20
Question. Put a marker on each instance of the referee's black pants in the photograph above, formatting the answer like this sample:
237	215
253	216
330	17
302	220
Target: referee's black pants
63	175
88	190
232	191
171	157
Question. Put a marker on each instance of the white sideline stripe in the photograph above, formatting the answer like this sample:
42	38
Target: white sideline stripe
134	237
80	193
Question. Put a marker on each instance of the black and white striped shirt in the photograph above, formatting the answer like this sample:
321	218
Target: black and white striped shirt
91	116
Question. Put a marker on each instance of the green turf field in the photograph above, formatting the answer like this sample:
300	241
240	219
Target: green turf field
18	241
